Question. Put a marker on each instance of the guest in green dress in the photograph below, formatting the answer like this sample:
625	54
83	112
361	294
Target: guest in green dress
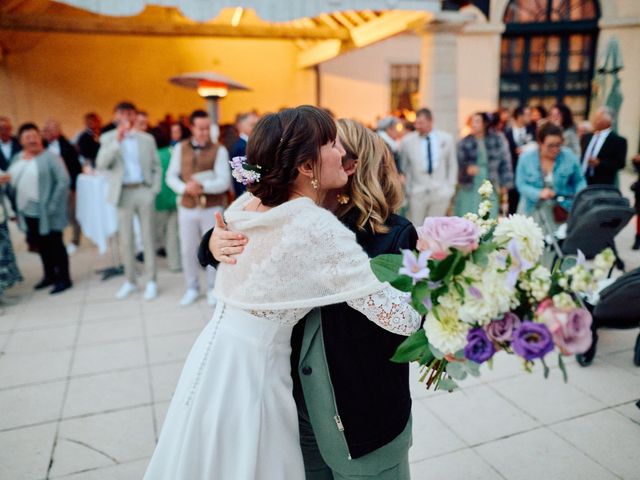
482	155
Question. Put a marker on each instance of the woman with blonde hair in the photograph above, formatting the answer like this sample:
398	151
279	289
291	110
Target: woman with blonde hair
354	405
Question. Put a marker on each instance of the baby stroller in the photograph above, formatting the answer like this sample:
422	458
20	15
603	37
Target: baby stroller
619	308
598	214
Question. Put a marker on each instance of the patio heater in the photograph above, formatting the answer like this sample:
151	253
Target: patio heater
212	87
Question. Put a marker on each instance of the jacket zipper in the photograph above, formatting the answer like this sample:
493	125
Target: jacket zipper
336	418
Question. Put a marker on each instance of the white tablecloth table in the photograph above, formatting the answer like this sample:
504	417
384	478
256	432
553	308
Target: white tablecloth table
98	219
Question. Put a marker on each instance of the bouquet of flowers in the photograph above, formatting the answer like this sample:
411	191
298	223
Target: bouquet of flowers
481	287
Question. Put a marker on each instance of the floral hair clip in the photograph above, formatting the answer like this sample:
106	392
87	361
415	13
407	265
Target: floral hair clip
243	172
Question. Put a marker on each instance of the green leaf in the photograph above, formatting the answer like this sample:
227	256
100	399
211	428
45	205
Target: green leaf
418	294
459	289
563	368
412	349
480	255
546	368
386	267
472	368
436	353
456	370
447	384
459	268
442	269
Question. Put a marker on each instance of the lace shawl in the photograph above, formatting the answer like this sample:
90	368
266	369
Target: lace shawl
299	256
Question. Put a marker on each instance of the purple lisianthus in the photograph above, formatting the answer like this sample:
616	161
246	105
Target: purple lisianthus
501	331
413	267
479	347
532	340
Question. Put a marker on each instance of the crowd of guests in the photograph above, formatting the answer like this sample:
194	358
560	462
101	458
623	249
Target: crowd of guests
174	178
537	161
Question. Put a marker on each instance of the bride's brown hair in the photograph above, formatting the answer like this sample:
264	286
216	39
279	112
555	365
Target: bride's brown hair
280	143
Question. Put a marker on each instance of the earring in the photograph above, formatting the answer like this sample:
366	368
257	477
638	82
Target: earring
343	198
314	183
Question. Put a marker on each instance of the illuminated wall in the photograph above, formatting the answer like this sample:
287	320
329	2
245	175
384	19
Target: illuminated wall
65	75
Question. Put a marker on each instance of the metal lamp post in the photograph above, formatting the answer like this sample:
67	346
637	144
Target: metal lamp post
212	87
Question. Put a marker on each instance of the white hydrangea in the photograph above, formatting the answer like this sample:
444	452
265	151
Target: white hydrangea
602	263
486	189
483	225
563	301
525	231
581	280
484	208
537	282
447	334
496	297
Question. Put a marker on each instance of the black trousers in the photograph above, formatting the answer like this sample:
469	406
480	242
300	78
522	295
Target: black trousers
53	253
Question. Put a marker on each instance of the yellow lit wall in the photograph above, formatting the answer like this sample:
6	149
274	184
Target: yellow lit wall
65	75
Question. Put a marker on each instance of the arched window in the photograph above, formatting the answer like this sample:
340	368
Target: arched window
548	53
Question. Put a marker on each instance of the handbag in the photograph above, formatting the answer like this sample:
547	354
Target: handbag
560	214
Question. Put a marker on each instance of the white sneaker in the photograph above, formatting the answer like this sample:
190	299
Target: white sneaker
125	290
71	249
211	298
151	291
189	297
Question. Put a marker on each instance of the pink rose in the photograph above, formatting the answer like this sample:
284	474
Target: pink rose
439	234
571	329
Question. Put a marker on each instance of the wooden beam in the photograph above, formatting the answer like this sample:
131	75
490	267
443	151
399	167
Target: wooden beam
385	26
126	26
319	53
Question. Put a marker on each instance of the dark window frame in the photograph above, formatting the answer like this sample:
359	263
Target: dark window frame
564	30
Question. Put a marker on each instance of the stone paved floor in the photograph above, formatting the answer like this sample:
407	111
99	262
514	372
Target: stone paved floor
85	382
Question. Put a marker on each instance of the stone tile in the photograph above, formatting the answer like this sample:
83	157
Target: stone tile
461	465
160	414
122	436
45	317
164	379
606	437
125	471
116	309
431	437
540	454
107	391
611	341
605	382
78	456
505	366
31	405
110	331
171	348
7	321
480	414
42	340
109	357
623	359
163	324
22	369
630	410
25	453
547	400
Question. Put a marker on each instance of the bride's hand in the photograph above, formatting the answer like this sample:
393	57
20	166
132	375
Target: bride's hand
223	244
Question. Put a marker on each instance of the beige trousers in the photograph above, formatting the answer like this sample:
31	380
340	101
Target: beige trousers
193	223
140	201
422	205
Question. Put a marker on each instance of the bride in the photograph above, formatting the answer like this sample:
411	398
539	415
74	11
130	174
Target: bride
233	416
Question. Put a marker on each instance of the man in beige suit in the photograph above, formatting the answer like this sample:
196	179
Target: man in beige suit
130	158
428	160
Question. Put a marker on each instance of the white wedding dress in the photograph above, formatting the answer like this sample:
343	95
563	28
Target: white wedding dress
233	416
